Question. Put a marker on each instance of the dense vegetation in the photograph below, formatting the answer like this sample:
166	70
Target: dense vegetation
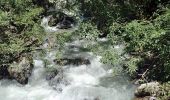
143	27
19	28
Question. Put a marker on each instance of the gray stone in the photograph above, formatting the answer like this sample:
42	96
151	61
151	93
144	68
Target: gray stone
147	89
72	61
50	75
21	71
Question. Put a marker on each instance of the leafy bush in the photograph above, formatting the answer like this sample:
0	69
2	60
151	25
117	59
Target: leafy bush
19	28
149	41
87	31
138	35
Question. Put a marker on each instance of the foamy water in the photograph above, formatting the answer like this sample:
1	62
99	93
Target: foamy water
83	82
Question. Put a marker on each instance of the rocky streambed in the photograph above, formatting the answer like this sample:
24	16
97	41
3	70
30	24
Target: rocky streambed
87	79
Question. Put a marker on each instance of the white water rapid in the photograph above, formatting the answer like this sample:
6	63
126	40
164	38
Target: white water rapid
83	82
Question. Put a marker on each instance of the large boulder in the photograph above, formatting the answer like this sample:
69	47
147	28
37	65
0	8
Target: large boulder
21	71
148	89
72	61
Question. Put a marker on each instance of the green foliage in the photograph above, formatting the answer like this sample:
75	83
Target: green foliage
139	34
110	57
104	12
132	65
87	31
20	28
4	18
163	20
63	38
149	41
164	93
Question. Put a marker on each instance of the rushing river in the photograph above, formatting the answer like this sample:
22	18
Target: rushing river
83	82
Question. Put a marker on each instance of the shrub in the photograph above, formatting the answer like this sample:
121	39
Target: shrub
19	28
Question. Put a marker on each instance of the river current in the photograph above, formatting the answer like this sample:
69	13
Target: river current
83	82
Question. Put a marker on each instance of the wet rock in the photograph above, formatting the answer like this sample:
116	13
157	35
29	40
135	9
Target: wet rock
21	71
147	89
61	20
50	75
146	98
66	22
3	72
72	61
58	82
54	20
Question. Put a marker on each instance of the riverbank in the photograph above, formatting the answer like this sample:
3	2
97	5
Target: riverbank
130	36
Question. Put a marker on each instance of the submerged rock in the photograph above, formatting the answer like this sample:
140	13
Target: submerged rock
58	82
51	74
21	71
72	61
147	89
